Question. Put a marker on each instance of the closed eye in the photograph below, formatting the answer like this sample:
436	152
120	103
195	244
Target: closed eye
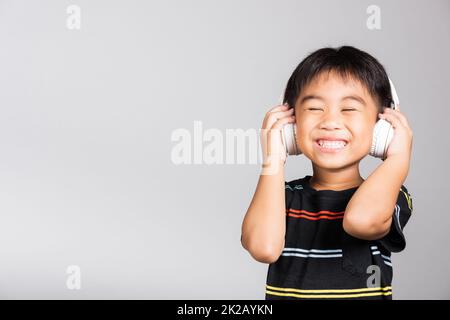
348	109
314	109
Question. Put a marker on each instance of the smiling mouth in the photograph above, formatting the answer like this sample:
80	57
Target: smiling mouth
330	146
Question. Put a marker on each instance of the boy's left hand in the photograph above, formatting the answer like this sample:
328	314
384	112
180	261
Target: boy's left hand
401	143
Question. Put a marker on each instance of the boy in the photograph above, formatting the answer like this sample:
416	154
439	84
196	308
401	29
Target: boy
330	235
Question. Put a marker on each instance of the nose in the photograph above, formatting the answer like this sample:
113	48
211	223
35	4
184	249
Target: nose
331	121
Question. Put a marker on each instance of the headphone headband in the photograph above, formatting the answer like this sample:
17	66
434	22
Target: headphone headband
395	99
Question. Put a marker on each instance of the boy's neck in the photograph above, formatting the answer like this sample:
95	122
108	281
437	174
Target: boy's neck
335	179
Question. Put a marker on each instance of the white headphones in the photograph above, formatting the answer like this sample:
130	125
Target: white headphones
383	133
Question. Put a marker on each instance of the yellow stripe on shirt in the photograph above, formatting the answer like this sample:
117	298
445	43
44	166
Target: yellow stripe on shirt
408	199
330	296
388	288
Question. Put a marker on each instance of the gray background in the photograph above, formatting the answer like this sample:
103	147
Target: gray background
86	118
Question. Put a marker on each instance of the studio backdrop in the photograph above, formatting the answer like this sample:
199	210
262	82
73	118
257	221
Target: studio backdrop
108	113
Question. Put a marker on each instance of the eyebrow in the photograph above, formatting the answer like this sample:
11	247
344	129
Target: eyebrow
350	97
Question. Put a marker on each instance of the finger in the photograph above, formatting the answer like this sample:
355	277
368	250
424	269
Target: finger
281	122
283	107
393	120
275	135
279	107
272	117
400	116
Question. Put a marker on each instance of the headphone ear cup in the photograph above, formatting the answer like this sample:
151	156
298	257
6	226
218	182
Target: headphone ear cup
290	139
383	133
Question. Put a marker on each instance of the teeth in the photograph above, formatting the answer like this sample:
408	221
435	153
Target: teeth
332	144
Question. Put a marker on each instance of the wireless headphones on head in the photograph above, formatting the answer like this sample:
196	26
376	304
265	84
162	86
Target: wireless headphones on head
383	132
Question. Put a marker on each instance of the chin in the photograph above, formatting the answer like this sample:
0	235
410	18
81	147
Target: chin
330	165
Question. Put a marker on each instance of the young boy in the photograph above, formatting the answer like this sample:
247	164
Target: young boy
330	235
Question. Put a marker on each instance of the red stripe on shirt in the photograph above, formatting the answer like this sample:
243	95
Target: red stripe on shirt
321	212
316	218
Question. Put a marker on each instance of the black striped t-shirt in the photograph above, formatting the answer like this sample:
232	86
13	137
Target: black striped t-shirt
320	260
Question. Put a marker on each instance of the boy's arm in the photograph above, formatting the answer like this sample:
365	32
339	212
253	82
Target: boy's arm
368	214
264	224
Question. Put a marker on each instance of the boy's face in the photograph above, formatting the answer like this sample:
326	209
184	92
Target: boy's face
331	108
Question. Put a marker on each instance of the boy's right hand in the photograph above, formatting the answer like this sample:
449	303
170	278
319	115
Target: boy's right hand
272	145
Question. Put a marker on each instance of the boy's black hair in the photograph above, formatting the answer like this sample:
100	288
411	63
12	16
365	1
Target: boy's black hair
346	61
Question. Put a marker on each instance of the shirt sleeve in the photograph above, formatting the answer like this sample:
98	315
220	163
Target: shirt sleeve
395	240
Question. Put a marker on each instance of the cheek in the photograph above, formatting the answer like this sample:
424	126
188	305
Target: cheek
362	135
304	129
361	131
304	139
